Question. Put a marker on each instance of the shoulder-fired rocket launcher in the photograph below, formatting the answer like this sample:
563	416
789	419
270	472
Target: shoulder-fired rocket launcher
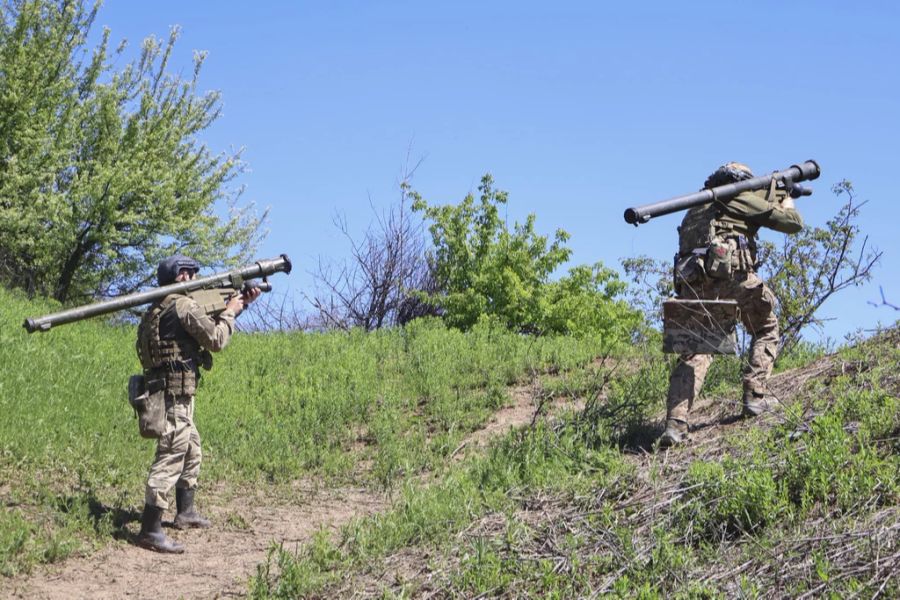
786	180
211	293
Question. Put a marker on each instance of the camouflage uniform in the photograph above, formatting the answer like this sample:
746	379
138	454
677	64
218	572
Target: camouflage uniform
175	338
722	235
172	338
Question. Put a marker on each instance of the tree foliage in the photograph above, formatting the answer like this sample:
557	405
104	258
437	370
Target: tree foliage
101	171
587	301
651	283
482	267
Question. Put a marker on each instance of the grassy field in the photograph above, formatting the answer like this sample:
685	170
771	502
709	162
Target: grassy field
274	409
804	505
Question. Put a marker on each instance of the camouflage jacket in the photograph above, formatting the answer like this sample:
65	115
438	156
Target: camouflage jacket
750	211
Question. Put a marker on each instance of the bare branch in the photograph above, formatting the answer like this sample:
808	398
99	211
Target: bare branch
380	284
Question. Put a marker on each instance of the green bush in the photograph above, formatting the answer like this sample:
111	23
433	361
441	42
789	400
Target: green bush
731	497
482	268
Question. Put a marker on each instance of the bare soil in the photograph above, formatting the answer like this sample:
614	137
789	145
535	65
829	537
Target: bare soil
525	407
217	561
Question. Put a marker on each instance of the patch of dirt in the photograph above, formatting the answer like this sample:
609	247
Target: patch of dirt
217	561
524	408
713	418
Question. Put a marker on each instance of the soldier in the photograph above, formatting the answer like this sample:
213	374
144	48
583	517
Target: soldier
717	260
175	337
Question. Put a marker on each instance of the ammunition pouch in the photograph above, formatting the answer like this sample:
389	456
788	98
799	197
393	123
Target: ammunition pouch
744	254
180	376
742	250
147	397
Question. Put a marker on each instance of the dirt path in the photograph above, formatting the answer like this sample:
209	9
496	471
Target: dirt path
219	561
521	411
715	423
714	418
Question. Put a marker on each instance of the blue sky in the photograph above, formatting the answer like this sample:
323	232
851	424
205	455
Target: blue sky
578	109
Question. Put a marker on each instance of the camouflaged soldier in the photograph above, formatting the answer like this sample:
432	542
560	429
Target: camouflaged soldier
175	337
717	261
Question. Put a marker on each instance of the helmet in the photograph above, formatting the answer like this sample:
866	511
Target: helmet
728	173
169	268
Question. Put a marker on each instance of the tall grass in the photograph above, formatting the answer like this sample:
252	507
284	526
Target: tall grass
275	407
808	506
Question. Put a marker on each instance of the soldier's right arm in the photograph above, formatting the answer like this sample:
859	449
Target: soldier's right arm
212	334
755	208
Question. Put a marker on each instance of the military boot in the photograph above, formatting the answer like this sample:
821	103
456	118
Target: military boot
755	404
152	537
676	433
187	515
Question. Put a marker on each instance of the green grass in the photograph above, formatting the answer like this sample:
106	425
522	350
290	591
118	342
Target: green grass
432	515
740	524
562	509
275	408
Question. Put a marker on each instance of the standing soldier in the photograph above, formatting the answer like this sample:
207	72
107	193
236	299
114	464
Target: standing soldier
717	261
175	337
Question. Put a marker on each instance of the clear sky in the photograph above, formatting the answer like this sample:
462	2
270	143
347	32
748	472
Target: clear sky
578	109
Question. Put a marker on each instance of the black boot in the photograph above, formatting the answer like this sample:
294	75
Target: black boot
676	433
188	516
152	537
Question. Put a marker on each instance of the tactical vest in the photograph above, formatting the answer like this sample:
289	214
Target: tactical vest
724	245
697	229
166	349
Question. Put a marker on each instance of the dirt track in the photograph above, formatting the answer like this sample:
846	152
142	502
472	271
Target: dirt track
219	561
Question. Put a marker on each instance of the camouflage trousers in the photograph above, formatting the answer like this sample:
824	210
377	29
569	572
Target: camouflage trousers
178	455
756	304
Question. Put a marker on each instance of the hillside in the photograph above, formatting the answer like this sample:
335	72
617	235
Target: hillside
288	421
384	465
802	502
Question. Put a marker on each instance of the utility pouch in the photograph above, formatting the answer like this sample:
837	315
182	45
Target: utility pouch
689	270
743	256
718	259
148	399
181	383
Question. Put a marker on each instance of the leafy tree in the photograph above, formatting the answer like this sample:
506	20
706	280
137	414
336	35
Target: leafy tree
481	267
101	171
